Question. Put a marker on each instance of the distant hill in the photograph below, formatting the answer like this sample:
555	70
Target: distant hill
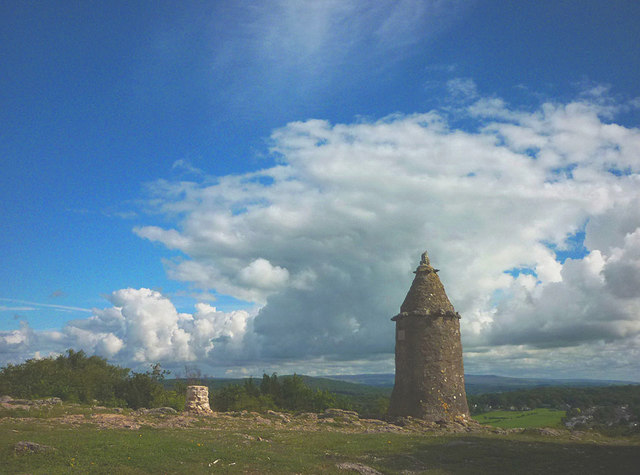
348	388
331	384
373	385
484	383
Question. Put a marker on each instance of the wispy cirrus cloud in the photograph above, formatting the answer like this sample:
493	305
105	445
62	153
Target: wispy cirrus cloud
294	49
45	305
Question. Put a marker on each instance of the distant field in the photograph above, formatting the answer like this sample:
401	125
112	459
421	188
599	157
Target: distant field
526	419
482	384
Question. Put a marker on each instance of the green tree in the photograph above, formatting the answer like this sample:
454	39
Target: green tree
75	377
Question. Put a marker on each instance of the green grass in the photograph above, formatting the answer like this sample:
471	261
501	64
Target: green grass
526	419
245	447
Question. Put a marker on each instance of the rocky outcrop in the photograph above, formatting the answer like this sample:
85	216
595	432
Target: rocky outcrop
358	467
157	411
51	401
28	447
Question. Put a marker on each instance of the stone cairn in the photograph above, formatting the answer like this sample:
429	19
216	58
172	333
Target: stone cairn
429	381
197	400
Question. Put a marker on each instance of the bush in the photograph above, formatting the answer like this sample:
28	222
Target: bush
75	377
72	377
288	393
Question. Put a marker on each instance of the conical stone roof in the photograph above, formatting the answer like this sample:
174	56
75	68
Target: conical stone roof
426	295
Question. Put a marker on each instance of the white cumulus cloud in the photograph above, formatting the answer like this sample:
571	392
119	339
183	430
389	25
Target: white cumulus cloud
326	240
324	243
141	327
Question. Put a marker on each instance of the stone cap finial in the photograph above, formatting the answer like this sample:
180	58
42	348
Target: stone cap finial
425	265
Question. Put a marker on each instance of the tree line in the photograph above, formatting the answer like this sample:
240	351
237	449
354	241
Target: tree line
77	378
289	393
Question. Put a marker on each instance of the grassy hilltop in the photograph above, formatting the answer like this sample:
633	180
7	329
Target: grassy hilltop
98	418
76	439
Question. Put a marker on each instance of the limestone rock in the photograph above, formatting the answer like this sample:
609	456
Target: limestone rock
285	419
157	411
339	414
51	401
197	400
27	447
358	467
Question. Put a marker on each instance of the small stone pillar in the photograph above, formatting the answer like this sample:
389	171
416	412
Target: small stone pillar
197	400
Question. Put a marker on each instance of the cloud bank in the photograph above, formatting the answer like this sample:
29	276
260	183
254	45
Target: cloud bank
141	327
325	242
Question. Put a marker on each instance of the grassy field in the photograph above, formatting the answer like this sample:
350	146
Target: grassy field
525	419
245	447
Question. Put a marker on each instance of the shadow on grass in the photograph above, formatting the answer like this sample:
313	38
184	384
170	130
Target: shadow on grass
477	455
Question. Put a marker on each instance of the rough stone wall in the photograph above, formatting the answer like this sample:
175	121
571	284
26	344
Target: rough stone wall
197	400
429	381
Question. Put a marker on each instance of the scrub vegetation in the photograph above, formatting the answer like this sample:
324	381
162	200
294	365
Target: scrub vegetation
78	378
102	427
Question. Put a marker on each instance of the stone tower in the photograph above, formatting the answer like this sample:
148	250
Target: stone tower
429	372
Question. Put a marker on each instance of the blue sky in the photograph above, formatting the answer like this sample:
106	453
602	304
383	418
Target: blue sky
229	155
